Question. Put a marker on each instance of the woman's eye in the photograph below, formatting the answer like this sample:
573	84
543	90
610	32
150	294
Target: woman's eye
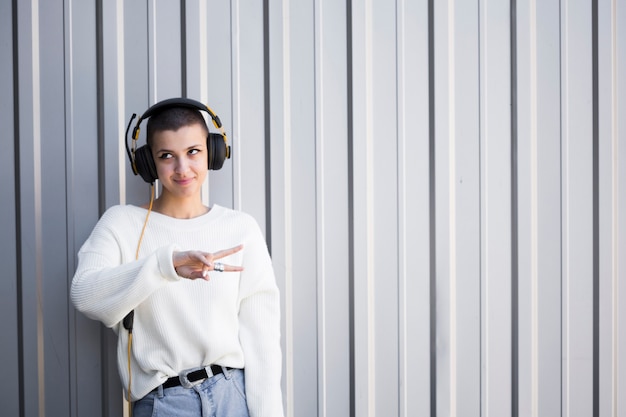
193	151
165	155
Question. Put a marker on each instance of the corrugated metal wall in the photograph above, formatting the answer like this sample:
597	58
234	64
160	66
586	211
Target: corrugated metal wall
442	185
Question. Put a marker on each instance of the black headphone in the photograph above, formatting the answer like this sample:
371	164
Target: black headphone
141	159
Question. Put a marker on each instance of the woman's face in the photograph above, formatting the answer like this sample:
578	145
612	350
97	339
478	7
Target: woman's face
181	159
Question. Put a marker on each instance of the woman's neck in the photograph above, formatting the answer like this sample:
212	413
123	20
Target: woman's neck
179	208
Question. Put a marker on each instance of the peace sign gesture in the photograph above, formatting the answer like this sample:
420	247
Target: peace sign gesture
195	264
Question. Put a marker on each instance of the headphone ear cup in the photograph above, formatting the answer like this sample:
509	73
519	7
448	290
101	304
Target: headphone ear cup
217	150
145	164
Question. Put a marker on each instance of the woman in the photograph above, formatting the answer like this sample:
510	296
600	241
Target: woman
202	334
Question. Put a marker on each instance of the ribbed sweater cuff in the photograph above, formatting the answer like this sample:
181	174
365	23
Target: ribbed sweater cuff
166	265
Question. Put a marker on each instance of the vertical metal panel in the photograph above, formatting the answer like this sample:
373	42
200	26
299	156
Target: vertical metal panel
540	206
362	184
413	210
548	206
458	217
302	195
495	218
465	185
164	50
224	93
138	93
332	232
224	90
577	211
444	135
383	207
195	41
248	99
53	297
29	243
279	177
112	112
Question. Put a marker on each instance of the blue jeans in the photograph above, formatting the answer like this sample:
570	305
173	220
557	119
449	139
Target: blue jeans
220	396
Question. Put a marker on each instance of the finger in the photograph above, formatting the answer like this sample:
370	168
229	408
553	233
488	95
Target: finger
233	268
204	258
223	253
227	268
199	274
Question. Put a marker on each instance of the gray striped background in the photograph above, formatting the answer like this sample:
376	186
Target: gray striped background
441	184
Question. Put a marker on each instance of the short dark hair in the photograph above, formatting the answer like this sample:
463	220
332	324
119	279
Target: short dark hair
173	118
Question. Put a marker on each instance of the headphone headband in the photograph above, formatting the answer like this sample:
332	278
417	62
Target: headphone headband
140	158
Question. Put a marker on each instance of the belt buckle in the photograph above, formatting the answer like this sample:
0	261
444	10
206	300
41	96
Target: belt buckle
183	378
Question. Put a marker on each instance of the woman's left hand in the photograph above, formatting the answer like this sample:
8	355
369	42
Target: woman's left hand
195	264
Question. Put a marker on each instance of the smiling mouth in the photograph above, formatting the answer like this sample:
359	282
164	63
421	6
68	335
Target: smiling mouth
183	181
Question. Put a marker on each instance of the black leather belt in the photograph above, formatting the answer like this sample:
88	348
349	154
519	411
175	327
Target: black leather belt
193	376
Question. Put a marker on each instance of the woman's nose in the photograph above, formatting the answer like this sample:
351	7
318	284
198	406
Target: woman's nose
181	165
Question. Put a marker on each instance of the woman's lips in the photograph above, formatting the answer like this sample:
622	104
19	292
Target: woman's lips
183	181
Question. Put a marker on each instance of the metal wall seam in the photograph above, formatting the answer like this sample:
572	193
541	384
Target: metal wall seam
596	212
362	204
432	210
514	294
445	238
321	261
236	92
11	358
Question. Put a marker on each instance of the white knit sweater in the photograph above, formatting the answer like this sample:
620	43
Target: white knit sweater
232	320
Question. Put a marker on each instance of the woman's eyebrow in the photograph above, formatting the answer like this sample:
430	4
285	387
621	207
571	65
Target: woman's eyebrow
199	145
